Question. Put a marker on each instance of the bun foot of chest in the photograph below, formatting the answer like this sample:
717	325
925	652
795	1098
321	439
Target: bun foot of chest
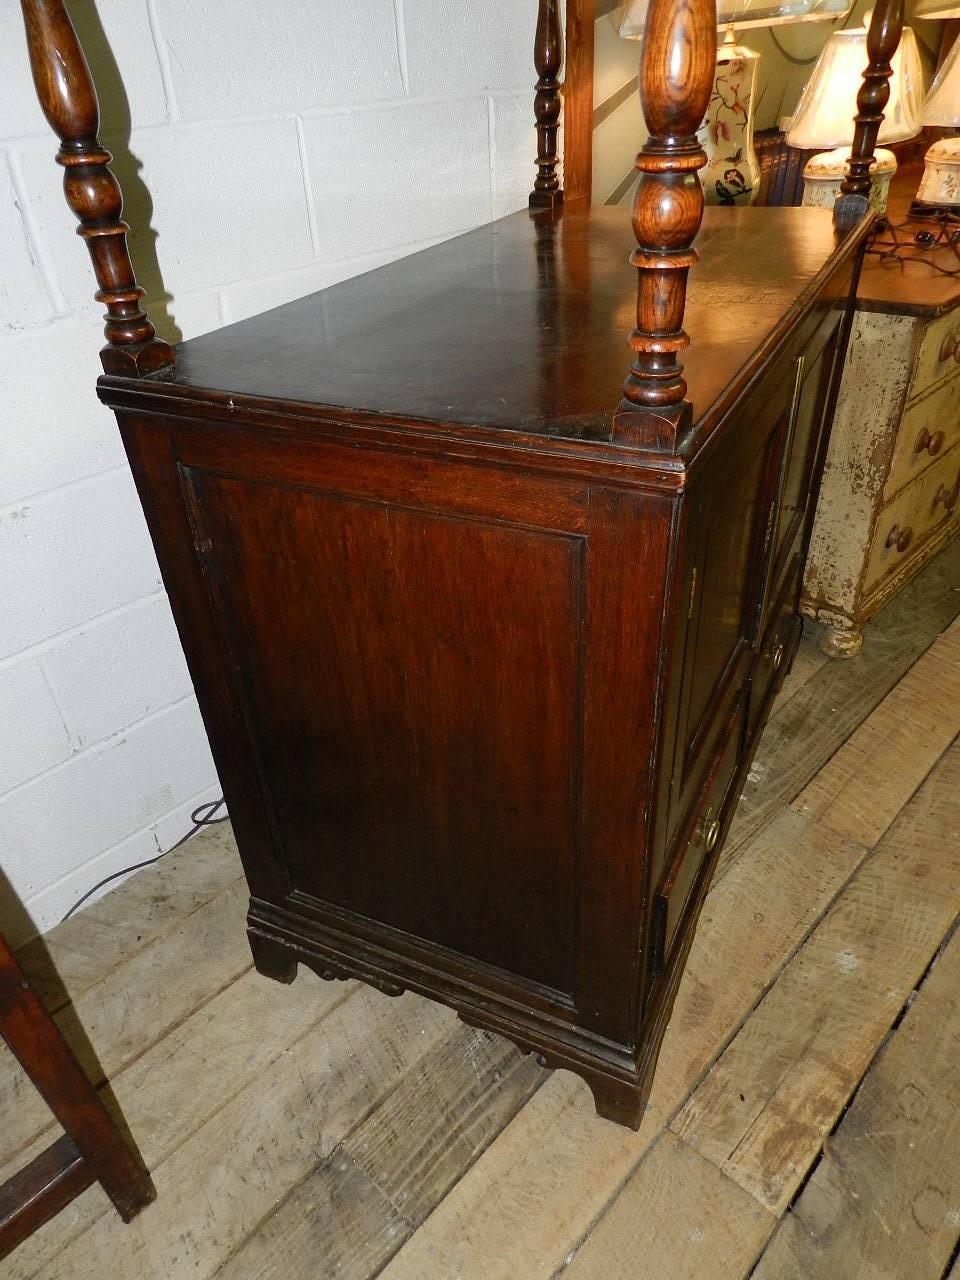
839	642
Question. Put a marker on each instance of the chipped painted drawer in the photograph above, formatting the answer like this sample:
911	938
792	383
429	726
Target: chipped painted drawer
939	353
917	512
928	430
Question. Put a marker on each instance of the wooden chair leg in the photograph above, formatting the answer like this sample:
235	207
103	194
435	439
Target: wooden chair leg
92	1148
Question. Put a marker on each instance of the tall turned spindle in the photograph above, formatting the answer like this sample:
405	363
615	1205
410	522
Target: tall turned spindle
886	26
548	59
69	101
676	76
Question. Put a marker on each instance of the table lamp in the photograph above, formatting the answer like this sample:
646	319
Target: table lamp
828	104
732	172
940	188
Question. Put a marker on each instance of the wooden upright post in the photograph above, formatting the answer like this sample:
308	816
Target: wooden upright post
676	76
69	101
548	59
883	37
578	102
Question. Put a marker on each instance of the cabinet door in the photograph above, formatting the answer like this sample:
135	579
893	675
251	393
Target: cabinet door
814	377
734	507
752	523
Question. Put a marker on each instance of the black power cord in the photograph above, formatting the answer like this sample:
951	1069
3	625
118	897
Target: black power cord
941	233
201	817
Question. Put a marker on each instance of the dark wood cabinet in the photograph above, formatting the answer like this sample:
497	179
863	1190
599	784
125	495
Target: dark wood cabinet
482	683
484	632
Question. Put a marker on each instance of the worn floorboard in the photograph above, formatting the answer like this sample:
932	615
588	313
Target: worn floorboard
76	955
678	1218
809	726
865	785
884	1201
762	1112
221	1184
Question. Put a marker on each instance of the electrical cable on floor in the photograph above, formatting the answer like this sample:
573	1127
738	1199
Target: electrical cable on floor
201	817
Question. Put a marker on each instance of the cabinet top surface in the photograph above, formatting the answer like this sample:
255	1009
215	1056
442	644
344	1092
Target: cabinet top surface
519	325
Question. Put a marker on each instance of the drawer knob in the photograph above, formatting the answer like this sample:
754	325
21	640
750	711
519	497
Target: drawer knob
901	538
947	496
776	655
927	443
710	831
950	347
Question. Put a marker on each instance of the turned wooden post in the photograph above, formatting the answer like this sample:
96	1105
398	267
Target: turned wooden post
676	76
548	59
886	26
69	101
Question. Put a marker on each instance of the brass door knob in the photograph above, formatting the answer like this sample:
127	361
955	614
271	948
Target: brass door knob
709	831
776	655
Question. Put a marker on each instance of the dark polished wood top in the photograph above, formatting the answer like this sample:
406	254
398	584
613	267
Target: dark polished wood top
912	287
520	325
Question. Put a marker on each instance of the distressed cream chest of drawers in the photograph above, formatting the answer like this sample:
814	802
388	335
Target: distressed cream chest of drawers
890	496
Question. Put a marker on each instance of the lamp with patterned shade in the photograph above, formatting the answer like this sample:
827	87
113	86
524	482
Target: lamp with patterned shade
828	104
940	188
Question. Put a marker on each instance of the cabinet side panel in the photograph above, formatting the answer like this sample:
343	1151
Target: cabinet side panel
412	679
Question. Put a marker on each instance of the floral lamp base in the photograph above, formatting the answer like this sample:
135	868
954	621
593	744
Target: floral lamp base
823	174
939	190
732	172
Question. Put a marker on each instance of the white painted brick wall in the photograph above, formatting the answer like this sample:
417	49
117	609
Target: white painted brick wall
428	163
23	301
265	151
40	448
270	58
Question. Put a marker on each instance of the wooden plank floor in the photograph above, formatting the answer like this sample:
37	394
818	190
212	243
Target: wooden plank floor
805	1120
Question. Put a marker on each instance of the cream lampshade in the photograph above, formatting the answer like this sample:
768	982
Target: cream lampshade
828	104
732	173
940	188
930	9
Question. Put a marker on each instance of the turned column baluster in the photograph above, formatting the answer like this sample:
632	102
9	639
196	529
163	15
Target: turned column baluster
886	26
676	76
548	59
69	101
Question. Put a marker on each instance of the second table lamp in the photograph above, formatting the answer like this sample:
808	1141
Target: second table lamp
940	188
825	114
